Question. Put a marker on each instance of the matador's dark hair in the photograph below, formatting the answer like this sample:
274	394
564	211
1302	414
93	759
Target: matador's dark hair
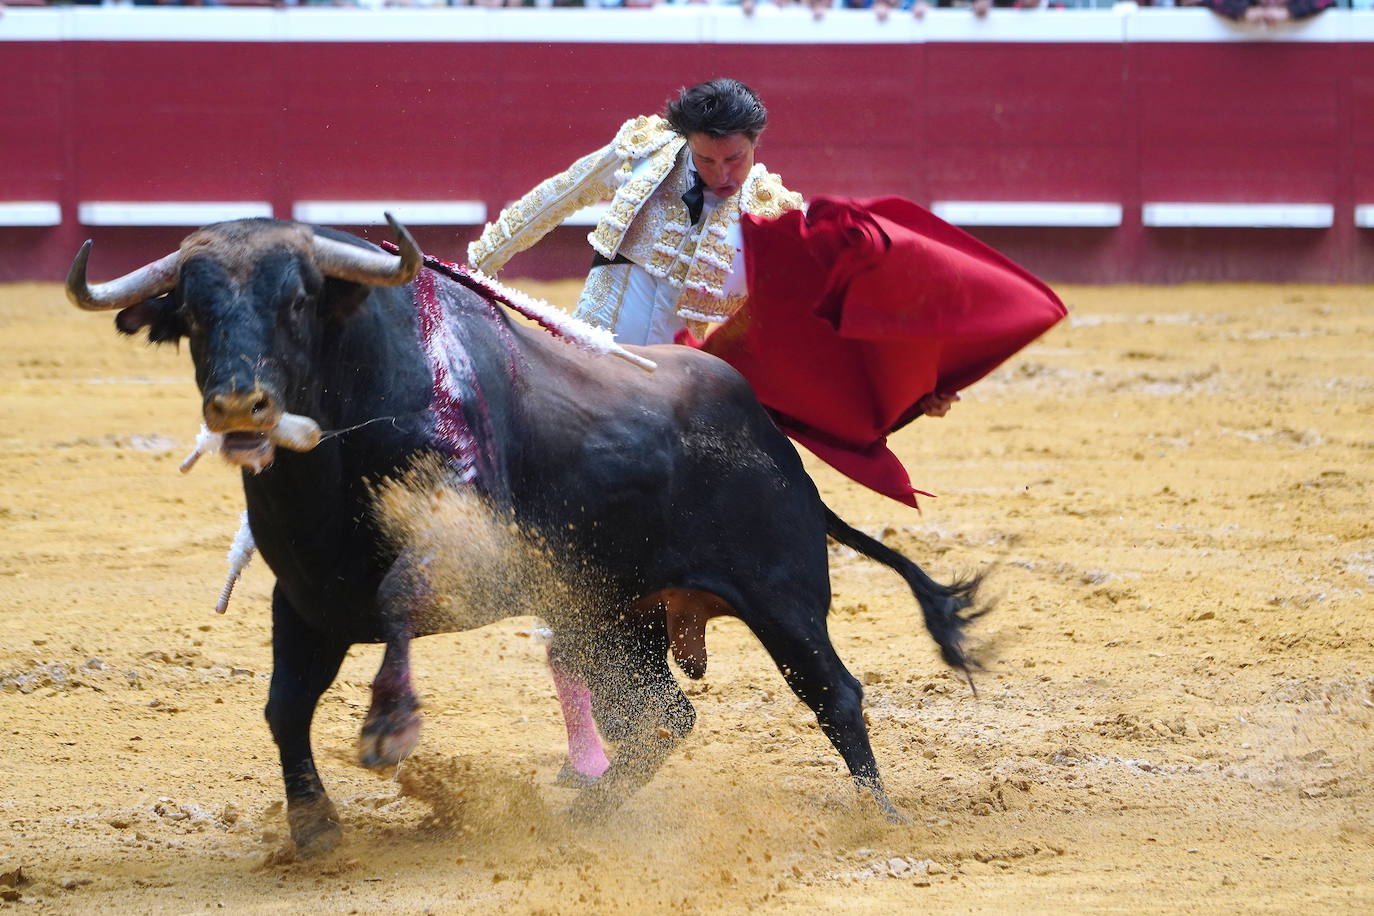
718	108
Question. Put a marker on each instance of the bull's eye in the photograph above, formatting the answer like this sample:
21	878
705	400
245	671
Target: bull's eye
296	308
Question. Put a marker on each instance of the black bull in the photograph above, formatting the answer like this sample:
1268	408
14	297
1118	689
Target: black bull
673	486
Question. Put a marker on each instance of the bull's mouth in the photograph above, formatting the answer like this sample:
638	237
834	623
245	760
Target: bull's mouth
253	450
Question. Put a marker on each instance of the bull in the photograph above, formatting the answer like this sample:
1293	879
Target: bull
673	487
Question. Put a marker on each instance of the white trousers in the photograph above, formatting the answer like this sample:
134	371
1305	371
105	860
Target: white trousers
637	307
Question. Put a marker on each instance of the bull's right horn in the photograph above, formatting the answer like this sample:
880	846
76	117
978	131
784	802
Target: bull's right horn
367	265
148	281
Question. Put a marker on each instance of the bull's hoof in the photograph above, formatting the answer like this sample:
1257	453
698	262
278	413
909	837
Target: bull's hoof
314	827
570	777
871	787
886	808
598	801
387	740
893	816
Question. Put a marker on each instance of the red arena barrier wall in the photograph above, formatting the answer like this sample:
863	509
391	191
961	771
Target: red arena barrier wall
1153	145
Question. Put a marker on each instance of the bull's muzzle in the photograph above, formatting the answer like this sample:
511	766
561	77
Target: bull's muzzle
250	426
241	411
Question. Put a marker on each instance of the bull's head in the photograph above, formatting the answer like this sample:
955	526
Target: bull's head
251	297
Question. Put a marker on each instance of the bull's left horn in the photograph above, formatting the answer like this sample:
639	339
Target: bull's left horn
148	281
366	265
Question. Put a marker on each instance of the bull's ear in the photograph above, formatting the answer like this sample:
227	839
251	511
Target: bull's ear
343	298
160	316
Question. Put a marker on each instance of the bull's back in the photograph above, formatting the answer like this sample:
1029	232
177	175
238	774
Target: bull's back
586	412
656	465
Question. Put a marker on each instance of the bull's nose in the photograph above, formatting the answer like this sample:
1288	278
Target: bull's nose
240	410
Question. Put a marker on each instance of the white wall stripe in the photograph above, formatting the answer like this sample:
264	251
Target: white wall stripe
1239	216
166	213
1027	213
30	213
373	212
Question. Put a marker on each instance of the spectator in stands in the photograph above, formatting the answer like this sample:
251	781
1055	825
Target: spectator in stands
818	7
980	7
1267	12
884	8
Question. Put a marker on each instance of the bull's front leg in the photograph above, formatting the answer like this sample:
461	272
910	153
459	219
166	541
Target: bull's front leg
303	666
392	726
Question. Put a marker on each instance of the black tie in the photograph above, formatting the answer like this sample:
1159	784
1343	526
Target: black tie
694	197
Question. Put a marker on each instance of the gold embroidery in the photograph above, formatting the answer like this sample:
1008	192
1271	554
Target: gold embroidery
603	295
770	199
638	137
631	197
717	308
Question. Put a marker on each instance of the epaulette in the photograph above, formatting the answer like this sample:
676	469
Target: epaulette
638	137
769	198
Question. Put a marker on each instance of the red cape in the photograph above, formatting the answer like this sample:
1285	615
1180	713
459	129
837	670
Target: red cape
857	309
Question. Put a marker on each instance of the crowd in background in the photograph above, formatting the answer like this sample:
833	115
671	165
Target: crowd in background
1261	12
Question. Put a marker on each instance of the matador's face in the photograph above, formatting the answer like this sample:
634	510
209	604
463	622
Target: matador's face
723	162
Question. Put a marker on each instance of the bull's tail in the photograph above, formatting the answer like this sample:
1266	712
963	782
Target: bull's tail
946	608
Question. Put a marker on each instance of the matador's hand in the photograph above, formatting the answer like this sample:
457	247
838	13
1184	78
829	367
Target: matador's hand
937	403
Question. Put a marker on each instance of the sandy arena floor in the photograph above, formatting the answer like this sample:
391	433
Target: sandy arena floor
1173	489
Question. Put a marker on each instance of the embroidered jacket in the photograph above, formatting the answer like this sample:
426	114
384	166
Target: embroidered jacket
644	173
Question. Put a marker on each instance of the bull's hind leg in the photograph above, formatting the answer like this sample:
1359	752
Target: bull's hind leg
304	664
637	703
802	650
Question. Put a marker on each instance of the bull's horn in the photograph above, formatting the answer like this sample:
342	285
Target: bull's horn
148	281
364	265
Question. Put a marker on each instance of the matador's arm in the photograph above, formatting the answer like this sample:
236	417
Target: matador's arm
529	219
587	181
